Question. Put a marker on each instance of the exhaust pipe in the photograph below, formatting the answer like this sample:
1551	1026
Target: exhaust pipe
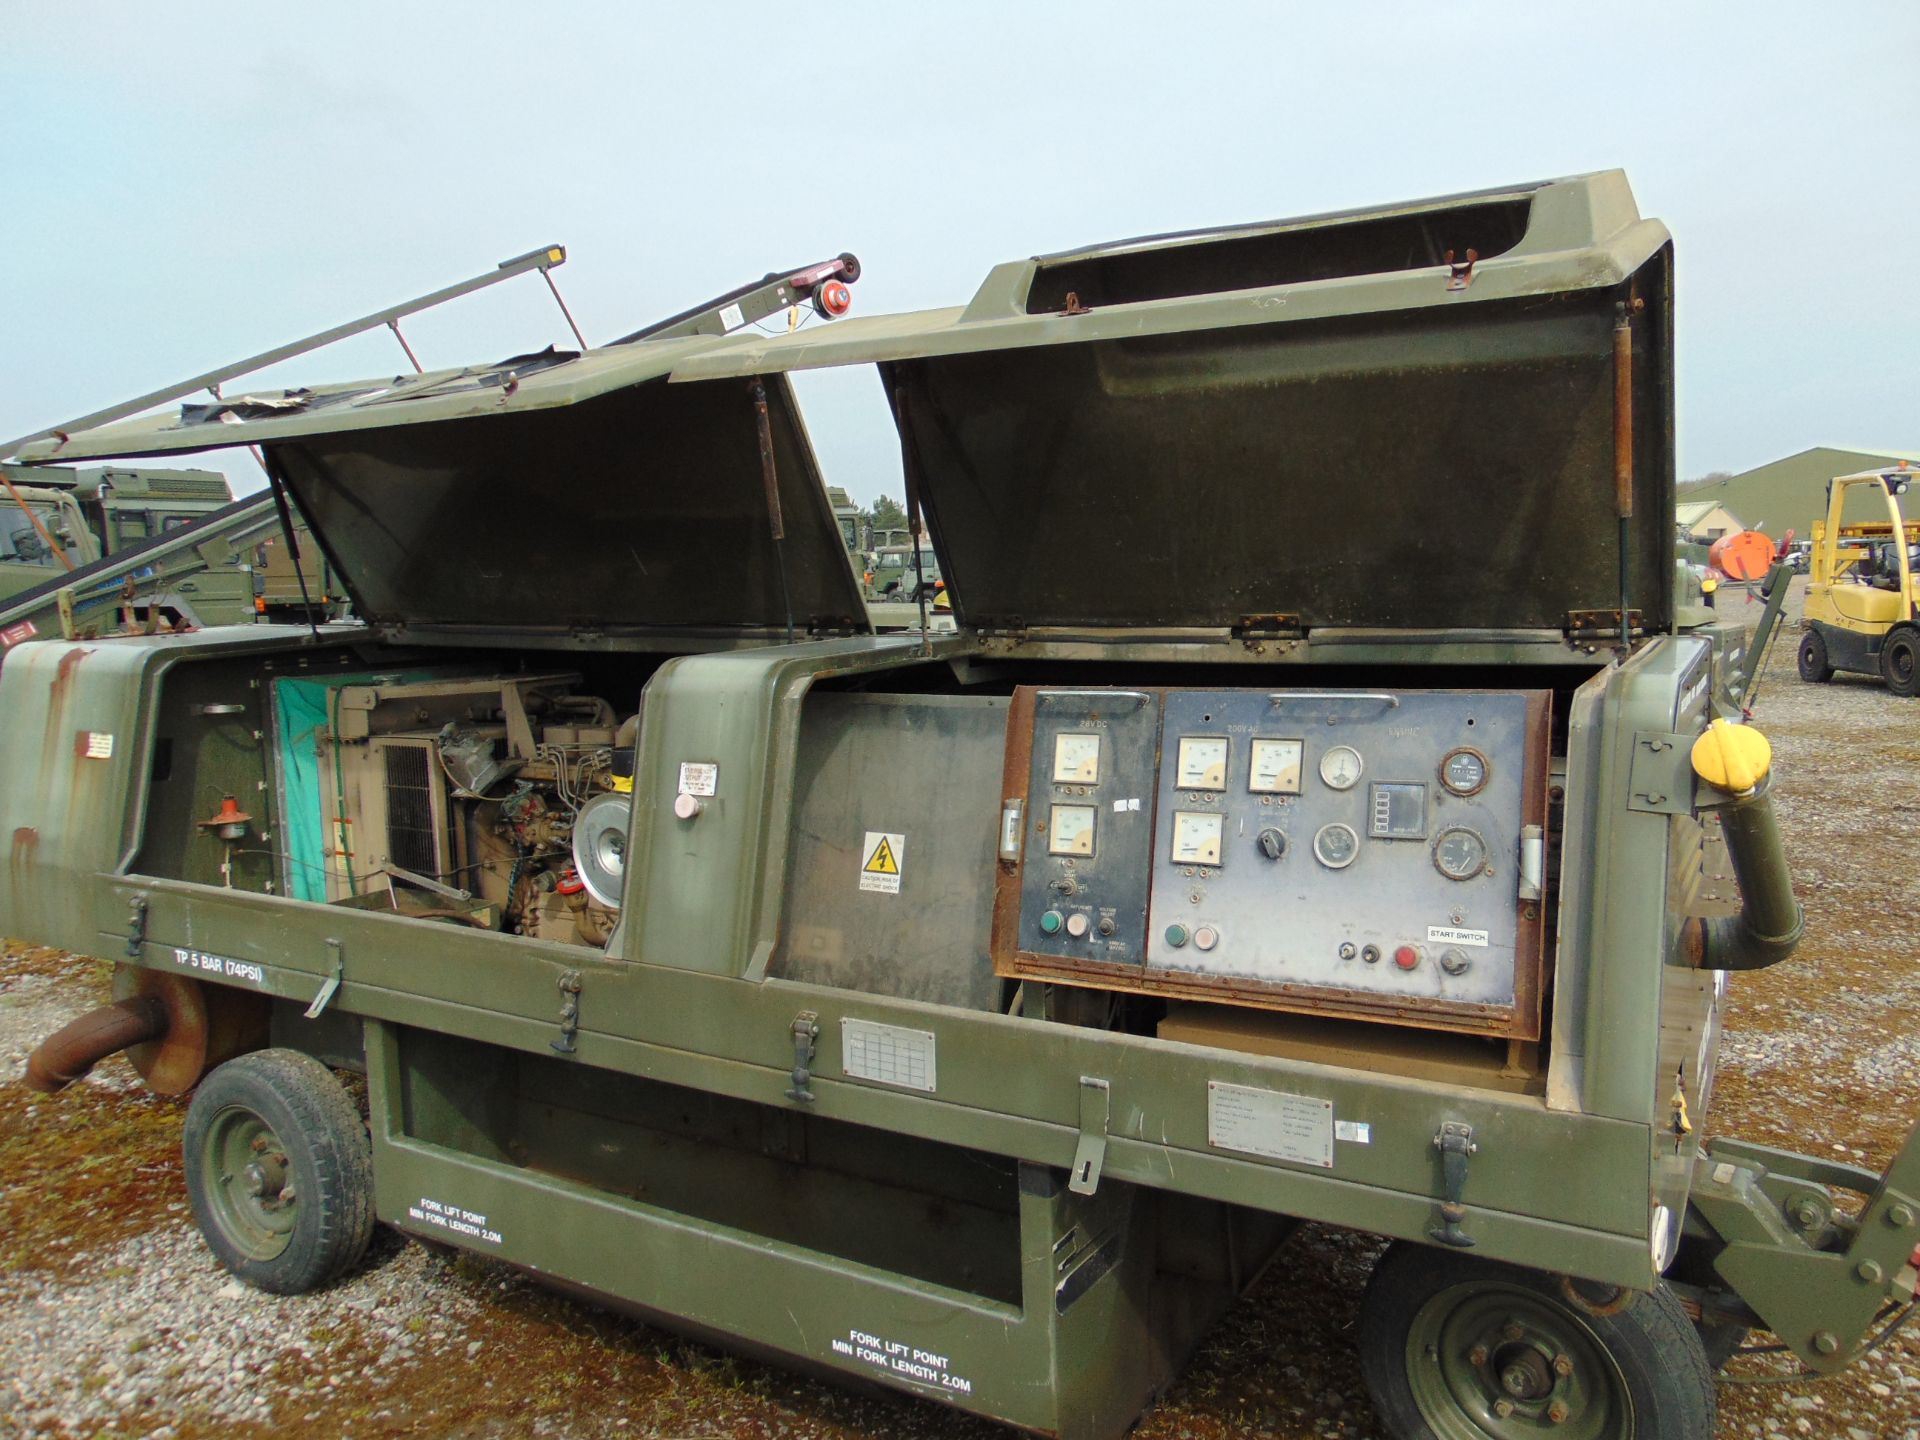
1736	760
69	1053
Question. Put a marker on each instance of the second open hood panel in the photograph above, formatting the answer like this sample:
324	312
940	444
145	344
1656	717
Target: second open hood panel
640	512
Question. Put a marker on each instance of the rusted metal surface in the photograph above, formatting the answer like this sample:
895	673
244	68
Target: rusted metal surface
70	1052
206	1025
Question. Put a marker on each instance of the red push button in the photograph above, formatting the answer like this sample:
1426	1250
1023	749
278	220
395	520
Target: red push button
1406	957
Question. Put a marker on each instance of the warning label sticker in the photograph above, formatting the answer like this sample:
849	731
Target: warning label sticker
882	857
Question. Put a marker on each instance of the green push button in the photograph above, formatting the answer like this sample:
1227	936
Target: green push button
1051	922
1176	935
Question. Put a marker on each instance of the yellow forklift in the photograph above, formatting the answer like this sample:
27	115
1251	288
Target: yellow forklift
1863	588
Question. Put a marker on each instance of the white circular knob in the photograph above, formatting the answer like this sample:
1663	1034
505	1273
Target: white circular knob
1206	937
687	806
1077	926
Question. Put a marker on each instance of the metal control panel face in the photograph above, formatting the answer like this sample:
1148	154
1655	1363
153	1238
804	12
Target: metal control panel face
1084	822
1391	870
1358	853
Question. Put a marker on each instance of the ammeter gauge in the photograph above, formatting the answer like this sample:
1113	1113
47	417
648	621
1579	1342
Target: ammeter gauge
1202	763
1274	767
1076	759
1464	771
1336	845
1070	830
1459	853
1341	767
1196	836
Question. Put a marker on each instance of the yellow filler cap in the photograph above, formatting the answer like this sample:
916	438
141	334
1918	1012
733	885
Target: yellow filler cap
1733	758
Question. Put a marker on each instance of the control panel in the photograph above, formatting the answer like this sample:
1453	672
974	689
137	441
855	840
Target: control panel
1360	853
1081	814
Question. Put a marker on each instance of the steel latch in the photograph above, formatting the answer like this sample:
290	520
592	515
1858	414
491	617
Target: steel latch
1091	1153
805	1031
338	966
136	926
1660	781
1456	1147
569	983
1459	274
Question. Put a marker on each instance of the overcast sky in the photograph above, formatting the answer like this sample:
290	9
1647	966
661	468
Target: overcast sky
186	185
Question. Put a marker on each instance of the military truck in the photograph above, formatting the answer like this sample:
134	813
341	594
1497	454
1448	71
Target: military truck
89	514
1276	839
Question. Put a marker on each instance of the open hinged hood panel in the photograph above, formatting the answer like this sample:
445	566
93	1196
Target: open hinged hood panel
573	496
1319	423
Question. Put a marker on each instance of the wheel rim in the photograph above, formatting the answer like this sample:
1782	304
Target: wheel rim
1900	663
1506	1362
249	1188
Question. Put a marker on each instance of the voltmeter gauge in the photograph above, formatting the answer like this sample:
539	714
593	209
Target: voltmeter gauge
1464	771
1336	845
1202	763
1459	853
1274	767
1196	836
1070	830
1341	767
1076	759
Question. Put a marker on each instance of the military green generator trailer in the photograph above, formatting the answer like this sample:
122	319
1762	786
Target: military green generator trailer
1280	836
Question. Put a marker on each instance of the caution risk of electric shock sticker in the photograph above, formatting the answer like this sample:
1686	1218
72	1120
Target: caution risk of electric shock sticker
882	857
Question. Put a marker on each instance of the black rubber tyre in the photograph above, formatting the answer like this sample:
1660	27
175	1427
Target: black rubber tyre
1447	1340
1815	668
1900	661
279	1171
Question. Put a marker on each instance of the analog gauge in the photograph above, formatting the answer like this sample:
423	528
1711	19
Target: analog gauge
1202	763
1336	845
1464	771
1070	830
1275	767
1459	853
1340	767
1196	836
1076	759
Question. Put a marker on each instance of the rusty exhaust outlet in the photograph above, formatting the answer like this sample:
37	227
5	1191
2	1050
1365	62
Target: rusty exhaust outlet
69	1053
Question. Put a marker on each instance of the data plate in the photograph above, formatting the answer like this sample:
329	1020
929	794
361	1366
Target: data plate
1270	1123
888	1054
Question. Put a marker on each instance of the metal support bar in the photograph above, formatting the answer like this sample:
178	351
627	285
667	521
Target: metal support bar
412	359
1091	1153
542	259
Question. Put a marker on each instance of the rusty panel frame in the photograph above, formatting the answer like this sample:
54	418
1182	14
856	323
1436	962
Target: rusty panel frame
1520	1021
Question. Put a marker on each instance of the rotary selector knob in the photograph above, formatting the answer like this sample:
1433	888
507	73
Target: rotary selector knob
1455	961
1272	843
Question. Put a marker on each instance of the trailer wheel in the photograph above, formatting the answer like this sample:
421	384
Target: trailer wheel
1458	1348
1900	661
1815	668
279	1171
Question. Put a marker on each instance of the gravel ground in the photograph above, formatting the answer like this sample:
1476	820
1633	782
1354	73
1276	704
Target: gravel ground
114	1320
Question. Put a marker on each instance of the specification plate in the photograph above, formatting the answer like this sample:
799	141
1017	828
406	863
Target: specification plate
890	1054
1270	1123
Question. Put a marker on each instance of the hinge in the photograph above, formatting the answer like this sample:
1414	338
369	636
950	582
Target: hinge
1601	624
1091	1153
1267	627
1009	627
332	983
1660	781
